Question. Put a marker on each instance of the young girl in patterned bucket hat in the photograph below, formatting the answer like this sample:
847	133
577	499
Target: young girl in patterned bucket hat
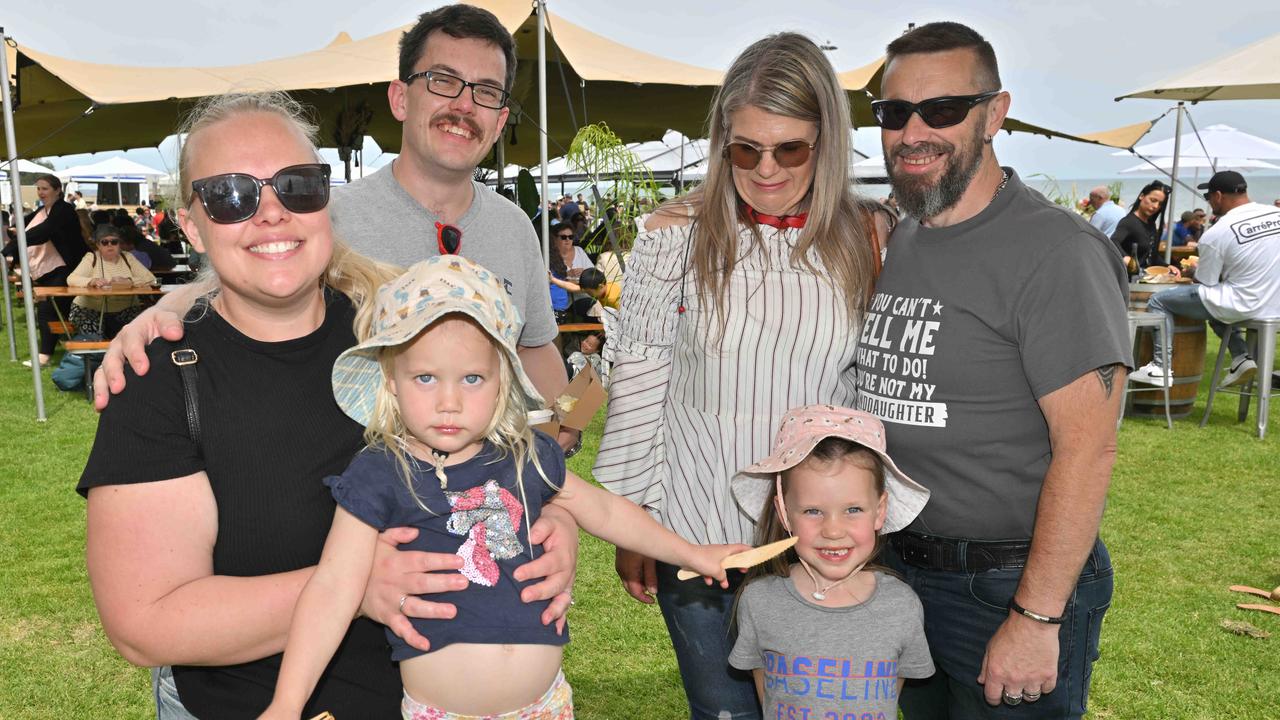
826	634
445	402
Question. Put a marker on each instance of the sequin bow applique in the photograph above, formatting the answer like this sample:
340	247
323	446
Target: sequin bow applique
488	516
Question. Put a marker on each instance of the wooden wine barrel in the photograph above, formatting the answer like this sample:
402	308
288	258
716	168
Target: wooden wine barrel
1188	361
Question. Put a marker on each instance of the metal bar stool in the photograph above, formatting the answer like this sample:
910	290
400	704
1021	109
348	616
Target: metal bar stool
1261	338
1156	321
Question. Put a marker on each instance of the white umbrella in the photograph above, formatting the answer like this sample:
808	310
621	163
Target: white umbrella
1220	141
1165	164
26	166
109	169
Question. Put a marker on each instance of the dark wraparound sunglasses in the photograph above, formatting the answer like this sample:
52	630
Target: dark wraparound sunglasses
234	197
937	113
451	86
746	156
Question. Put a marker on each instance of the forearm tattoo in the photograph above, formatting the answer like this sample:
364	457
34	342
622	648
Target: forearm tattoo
1107	376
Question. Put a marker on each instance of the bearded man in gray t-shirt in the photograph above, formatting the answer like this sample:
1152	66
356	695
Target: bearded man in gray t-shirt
992	350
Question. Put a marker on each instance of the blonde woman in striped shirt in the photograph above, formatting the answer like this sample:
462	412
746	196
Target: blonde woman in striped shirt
743	300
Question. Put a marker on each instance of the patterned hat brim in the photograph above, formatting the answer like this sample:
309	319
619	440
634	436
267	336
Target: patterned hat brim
753	485
357	374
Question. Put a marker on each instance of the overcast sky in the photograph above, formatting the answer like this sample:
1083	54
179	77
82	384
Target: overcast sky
1062	62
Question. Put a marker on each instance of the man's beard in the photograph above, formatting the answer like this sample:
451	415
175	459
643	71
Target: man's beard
916	195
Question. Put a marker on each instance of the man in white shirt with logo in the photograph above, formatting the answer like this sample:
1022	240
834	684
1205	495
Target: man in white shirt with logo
1106	214
1238	277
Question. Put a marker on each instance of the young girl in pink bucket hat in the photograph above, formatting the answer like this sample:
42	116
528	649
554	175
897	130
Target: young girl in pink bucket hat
825	633
445	402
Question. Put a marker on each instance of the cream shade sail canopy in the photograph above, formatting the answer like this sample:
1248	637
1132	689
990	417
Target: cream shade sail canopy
590	79
1250	73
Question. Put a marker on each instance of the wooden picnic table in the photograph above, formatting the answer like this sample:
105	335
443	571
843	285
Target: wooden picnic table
581	327
52	291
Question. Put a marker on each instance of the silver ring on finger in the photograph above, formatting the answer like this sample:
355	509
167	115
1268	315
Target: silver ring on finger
1012	700
1031	696
403	598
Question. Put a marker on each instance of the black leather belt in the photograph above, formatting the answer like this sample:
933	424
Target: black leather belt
935	553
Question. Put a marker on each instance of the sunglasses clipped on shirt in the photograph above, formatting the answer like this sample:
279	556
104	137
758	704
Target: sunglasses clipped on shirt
451	86
746	156
234	197
937	113
448	239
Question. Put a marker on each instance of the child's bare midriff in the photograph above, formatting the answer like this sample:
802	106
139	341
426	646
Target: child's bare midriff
475	679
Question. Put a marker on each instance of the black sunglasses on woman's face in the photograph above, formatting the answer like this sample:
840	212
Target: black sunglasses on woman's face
234	197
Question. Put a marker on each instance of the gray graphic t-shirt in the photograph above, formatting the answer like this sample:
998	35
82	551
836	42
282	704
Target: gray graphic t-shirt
821	662
970	326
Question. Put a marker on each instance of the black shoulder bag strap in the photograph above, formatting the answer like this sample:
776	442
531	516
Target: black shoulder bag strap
186	360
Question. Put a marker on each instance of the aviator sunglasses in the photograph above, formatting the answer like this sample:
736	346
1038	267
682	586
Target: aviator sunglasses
234	197
746	156
937	113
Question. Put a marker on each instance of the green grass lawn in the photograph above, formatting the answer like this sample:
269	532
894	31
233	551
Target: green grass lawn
1191	511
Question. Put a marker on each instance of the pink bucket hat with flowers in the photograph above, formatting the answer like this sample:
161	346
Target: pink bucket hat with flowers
801	430
405	306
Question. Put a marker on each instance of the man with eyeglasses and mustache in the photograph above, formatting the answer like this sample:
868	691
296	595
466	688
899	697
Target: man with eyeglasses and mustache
993	350
456	66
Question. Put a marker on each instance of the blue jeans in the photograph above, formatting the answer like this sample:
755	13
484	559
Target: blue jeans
168	705
963	610
699	619
1185	302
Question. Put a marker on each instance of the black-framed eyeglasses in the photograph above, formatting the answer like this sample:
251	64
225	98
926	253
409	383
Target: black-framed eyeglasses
746	156
111	241
451	86
564	236
937	113
234	197
448	239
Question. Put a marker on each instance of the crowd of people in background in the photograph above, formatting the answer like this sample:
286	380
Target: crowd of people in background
760	390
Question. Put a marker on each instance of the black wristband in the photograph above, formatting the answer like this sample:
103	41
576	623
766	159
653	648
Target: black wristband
1014	606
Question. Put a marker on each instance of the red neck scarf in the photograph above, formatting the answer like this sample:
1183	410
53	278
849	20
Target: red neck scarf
782	222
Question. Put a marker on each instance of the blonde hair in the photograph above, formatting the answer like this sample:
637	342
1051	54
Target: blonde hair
508	429
784	74
347	272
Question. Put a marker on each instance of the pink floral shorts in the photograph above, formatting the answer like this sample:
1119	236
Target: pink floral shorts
555	704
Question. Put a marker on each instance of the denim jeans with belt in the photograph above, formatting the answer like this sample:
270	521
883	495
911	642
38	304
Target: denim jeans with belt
963	610
1185	302
699	619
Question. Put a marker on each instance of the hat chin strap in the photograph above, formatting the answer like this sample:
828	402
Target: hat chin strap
819	592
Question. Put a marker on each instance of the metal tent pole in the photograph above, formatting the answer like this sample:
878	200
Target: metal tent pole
27	294
542	121
1173	186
